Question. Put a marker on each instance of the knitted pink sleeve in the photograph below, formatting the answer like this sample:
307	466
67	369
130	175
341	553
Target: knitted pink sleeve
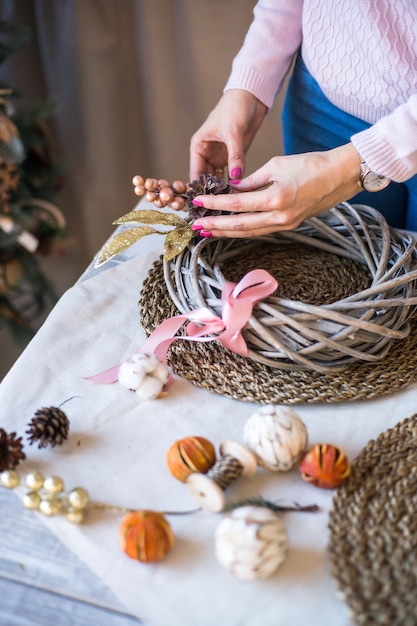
363	55
361	52
272	39
390	145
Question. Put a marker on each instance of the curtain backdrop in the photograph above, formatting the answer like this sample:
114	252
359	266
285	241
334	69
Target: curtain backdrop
134	79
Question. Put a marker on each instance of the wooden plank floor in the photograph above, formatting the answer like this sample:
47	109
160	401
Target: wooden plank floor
44	584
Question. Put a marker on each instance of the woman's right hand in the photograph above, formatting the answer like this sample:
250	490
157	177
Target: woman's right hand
224	138
281	194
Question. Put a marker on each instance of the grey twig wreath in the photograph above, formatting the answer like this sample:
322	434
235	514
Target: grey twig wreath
294	335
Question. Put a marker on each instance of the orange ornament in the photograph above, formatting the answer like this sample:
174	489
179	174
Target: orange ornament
146	536
189	455
325	466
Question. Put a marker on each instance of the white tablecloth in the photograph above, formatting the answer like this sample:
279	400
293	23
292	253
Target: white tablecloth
117	446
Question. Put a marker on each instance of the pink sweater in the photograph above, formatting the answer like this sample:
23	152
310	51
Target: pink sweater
363	54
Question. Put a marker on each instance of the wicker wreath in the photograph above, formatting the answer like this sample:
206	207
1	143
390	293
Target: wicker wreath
295	335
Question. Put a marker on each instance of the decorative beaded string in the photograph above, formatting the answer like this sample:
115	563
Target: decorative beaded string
47	496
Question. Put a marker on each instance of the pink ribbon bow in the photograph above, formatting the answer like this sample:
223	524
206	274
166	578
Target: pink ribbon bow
238	301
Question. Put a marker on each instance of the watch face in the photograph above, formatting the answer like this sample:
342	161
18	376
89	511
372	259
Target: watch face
375	182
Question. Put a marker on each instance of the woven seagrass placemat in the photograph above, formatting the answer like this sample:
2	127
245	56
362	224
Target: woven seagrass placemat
305	274
373	530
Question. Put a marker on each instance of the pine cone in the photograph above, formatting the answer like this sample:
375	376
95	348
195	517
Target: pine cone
49	425
209	184
11	450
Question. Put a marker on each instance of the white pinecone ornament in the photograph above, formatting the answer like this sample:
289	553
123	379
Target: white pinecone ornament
251	542
144	374
277	435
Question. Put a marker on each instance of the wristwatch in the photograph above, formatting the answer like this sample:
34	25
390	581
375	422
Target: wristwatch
371	181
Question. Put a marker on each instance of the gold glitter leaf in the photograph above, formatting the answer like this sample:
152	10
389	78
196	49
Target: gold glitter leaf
149	216
122	242
176	240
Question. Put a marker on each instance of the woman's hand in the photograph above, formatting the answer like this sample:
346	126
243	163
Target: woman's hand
226	135
282	193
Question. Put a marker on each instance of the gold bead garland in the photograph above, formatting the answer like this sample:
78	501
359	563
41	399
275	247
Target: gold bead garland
47	495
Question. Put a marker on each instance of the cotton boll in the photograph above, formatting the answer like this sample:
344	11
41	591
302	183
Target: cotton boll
130	375
146	361
145	374
150	388
161	372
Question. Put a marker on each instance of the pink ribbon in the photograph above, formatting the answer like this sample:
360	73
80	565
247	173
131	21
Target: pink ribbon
238	301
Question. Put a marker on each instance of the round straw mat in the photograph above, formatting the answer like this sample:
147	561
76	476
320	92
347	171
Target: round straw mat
304	274
373	530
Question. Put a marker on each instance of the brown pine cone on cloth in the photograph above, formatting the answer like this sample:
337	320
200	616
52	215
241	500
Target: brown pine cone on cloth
11	450
49	425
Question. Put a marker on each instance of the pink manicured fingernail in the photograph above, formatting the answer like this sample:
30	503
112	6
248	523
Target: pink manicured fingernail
235	181
206	233
198	203
196	227
236	172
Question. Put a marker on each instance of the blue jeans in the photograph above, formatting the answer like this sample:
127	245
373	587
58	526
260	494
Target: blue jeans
311	122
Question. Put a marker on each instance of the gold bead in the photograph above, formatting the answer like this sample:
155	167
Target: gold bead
10	479
32	500
34	480
78	498
53	484
75	516
50	507
46	495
